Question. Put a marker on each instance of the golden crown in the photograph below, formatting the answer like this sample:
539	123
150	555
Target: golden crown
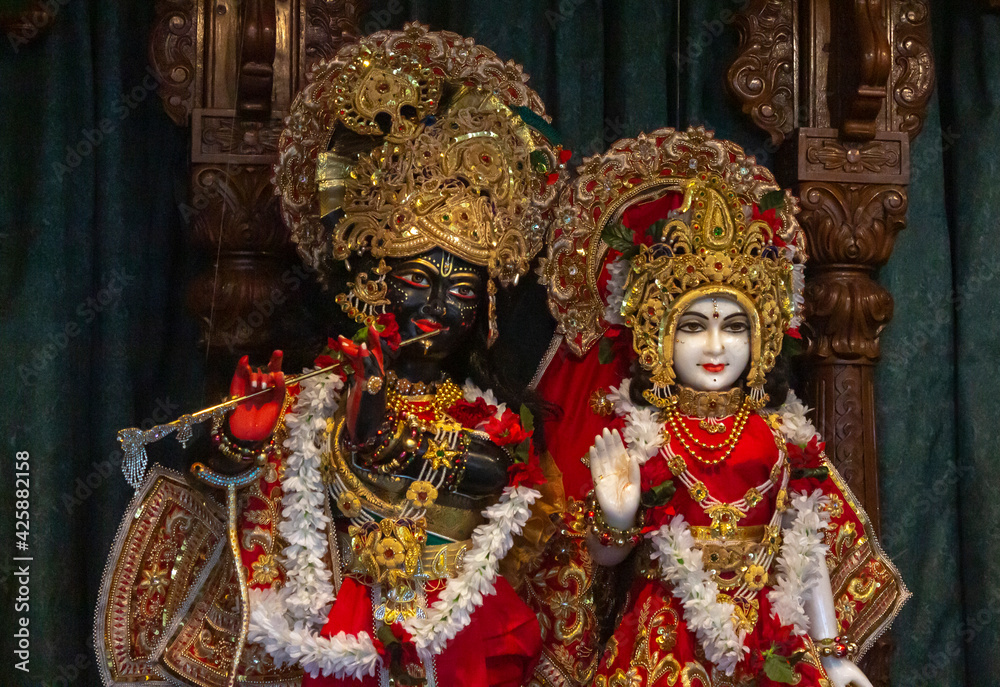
421	139
720	238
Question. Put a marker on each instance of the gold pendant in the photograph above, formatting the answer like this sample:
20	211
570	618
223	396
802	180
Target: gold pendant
725	519
745	613
712	427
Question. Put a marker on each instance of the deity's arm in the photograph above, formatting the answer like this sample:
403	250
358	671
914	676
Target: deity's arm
855	591
615	499
818	603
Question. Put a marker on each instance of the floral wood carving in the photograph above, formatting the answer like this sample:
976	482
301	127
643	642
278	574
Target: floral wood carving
762	77
913	65
218	136
172	55
330	24
825	157
851	229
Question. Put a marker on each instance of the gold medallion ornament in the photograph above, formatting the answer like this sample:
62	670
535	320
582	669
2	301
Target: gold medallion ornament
731	233
412	140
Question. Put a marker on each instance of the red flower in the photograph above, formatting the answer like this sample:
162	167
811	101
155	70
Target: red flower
552	178
654	473
657	517
564	156
471	414
794	333
388	330
382	652
506	430
527	474
809	457
323	360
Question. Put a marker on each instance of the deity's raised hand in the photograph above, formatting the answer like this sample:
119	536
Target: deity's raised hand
255	419
616	479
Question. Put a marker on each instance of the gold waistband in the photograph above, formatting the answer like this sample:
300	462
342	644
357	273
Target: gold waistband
751	533
437	561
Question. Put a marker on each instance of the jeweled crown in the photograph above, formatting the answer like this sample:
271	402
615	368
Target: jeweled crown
656	222
420	140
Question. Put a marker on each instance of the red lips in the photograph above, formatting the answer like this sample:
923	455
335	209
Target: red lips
714	369
428	325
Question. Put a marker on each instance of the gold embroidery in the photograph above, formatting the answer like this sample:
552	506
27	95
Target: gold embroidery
265	570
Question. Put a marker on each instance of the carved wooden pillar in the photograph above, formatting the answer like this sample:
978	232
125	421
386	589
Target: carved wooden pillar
229	69
842	88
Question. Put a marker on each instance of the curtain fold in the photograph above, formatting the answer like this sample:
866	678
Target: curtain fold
95	261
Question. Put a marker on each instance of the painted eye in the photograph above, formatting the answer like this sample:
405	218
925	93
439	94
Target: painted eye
737	327
691	327
464	291
416	279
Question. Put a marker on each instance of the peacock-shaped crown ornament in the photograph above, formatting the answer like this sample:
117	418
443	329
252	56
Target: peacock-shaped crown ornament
661	220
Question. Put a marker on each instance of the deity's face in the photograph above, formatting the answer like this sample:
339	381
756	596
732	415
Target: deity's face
435	290
712	344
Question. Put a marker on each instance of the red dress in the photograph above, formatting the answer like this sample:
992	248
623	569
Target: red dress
652	644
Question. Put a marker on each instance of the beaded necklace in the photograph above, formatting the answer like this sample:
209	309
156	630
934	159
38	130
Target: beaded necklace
402	396
678	429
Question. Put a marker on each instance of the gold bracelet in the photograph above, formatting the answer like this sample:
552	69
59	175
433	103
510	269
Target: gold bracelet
605	533
838	647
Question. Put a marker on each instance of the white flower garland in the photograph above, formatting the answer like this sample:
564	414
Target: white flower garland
802	552
286	622
681	564
618	275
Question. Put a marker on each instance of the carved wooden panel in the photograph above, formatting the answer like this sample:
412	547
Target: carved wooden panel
822	156
913	65
329	24
232	68
763	75
172	54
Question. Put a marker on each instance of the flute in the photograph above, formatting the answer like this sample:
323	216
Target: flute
134	439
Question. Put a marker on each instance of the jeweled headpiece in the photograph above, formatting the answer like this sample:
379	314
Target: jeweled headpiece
661	220
412	140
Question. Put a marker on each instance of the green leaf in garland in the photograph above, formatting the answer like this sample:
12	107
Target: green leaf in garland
527	419
656	229
819	474
385	635
791	346
360	335
521	453
659	495
605	351
778	668
618	237
771	200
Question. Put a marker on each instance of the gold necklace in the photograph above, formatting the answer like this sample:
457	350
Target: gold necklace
402	396
680	430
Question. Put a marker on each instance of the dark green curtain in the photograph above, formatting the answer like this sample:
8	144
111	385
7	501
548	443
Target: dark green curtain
94	263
